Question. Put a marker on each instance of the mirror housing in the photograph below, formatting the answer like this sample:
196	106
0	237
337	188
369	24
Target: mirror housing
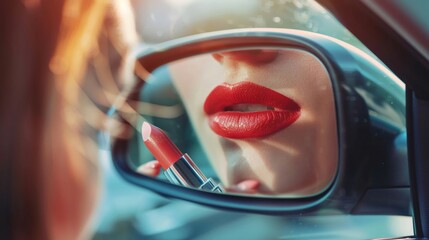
371	162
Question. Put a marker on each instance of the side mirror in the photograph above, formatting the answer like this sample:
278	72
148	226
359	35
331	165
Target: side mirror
307	122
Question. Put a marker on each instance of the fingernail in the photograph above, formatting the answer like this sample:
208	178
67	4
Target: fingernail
248	185
154	165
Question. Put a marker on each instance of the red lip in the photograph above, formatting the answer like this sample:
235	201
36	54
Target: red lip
225	120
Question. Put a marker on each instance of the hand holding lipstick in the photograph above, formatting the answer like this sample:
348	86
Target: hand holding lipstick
179	168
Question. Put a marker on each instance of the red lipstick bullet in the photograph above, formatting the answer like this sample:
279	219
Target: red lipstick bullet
179	168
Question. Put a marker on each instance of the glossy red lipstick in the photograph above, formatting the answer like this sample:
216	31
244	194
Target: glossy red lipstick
249	110
179	168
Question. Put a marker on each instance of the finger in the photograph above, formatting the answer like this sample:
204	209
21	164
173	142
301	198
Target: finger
151	168
247	186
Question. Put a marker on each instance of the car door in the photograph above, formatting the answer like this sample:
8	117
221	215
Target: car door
398	33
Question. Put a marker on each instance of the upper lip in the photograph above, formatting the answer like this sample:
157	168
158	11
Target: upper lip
227	95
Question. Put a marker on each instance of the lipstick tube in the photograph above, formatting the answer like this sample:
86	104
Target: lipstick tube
178	167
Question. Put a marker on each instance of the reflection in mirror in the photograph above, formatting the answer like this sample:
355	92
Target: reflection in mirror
254	121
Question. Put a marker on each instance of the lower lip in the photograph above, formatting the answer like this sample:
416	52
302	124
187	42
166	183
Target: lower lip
241	125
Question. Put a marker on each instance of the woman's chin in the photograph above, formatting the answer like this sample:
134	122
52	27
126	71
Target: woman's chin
290	190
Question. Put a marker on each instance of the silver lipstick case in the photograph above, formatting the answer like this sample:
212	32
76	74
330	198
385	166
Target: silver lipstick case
184	172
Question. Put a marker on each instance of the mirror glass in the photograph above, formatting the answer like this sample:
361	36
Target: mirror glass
253	121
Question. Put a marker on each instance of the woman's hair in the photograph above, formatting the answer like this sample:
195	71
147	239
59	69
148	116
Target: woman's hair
45	177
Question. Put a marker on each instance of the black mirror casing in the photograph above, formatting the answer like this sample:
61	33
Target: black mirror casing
371	148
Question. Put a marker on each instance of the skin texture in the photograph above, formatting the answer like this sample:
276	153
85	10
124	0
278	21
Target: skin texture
299	160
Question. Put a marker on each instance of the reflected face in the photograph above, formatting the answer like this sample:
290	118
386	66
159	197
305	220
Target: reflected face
264	115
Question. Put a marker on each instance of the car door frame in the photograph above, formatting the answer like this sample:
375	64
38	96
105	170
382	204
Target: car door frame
371	22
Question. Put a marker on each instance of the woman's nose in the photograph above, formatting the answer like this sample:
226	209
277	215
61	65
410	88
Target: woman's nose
253	57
